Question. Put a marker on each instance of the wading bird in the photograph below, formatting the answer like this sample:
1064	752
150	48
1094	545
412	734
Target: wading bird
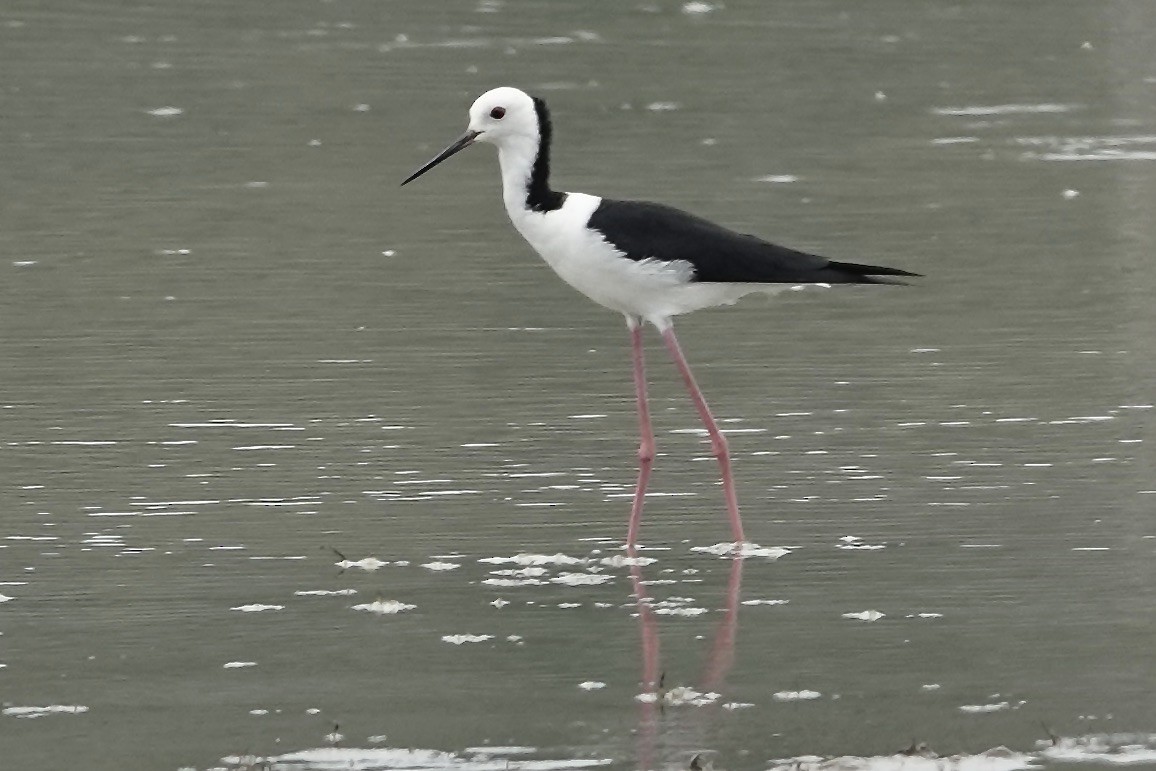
647	261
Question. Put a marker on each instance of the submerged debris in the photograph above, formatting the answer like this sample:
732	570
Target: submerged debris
698	763
366	563
918	750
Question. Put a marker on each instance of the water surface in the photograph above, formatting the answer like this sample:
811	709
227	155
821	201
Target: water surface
242	368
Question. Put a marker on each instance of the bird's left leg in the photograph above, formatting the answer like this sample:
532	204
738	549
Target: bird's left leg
718	442
646	433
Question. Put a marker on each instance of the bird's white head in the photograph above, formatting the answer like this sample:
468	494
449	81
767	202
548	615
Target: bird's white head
505	116
503	113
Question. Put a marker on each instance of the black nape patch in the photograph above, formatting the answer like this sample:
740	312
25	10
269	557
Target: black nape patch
539	196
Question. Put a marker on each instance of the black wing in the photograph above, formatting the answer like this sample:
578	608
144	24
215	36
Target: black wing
644	230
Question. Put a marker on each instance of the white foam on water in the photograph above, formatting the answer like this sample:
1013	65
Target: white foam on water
1005	109
441	566
743	550
385	607
977	709
1099	749
366	563
1091	148
996	759
686	612
461	639
512	582
84	443
581	579
865	615
257	607
382	758
51	709
698	8
679	696
1119	749
531	572
619	561
533	559
1101	155
804	695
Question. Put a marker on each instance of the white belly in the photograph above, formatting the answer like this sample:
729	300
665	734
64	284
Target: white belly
649	289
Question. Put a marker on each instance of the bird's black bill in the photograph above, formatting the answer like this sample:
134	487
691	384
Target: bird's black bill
464	141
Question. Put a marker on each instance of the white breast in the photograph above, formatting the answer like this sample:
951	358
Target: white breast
651	289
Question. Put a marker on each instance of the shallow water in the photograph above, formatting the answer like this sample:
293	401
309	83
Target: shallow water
302	469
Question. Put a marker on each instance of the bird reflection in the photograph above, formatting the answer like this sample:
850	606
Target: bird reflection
669	737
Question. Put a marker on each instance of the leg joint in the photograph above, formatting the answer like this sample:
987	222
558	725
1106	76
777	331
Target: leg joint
719	447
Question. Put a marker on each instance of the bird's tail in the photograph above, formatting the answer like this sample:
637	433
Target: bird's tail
854	272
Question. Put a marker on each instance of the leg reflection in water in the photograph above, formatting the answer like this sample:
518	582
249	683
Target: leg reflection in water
675	737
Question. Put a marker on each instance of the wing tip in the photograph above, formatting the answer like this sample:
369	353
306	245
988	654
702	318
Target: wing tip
873	274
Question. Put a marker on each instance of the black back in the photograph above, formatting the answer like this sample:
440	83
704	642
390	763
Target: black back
644	230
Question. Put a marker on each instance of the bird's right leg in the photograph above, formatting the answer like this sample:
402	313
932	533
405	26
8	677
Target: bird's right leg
646	433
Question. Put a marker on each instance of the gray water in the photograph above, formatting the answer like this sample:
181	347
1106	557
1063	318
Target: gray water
241	368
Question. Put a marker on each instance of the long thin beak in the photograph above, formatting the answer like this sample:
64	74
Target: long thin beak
464	141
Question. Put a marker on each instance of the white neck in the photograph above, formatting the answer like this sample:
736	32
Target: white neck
516	157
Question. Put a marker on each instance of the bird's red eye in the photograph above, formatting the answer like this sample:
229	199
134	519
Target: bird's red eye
498	113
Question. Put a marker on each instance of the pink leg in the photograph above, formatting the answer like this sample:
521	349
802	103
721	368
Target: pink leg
718	442
646	444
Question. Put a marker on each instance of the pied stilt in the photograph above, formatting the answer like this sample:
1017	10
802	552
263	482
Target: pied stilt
647	261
